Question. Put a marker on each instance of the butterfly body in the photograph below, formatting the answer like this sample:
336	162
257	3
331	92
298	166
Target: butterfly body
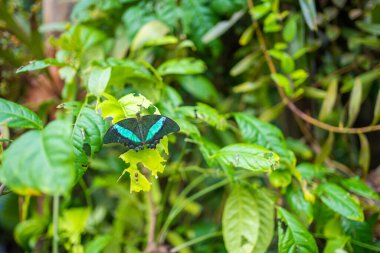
135	133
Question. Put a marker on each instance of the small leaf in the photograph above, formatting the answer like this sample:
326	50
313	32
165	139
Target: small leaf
287	63
310	171
370	28
295	237
376	113
240	221
152	30
357	186
326	149
299	205
17	116
40	161
309	13
340	201
329	101
365	154
200	87
205	113
355	102
247	156
246	36
184	66
41	64
260	11
280	178
221	27
290	29
98	80
27	232
283	82
98	244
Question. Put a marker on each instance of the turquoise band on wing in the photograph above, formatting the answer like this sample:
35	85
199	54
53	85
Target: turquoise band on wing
127	133
155	128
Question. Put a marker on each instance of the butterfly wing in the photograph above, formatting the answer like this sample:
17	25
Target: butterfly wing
155	127
126	132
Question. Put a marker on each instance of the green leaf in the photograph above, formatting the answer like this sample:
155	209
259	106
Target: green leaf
261	10
27	232
265	207
376	113
267	135
357	186
40	161
41	64
205	113
329	101
17	116
290	28
326	148
365	154
370	28
340	201
287	63
72	224
247	156
300	148
200	87
98	80
89	129
299	205
283	82
309	13
310	171
97	244
280	178
355	102
240	221
184	66
150	31
336	244
295	237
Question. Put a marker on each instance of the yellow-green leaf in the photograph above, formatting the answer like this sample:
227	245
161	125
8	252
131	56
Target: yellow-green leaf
355	102
329	101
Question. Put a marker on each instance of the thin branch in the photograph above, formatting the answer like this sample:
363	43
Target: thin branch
286	99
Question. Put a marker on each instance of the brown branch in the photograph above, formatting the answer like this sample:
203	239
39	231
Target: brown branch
287	101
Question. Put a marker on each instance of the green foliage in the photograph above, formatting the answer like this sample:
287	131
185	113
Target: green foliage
266	94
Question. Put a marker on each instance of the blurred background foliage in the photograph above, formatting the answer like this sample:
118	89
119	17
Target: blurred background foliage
278	104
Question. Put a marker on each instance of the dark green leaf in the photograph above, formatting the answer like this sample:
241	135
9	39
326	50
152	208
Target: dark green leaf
370	28
357	186
200	87
17	116
295	237
299	205
340	201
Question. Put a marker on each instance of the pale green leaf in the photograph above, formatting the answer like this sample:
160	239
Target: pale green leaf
41	64
294	237
326	149
98	80
290	28
152	30
376	113
340	201
184	66
355	102
329	101
97	244
18	116
309	13
283	82
45	166
287	63
247	156
240	221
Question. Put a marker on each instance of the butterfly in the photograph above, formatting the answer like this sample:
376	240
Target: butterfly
147	130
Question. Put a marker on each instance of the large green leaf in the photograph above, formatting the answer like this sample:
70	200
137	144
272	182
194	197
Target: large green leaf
240	221
98	80
247	156
294	238
264	134
40	161
89	129
184	66
356	185
337	199
265	207
17	116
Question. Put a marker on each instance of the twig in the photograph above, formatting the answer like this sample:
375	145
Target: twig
151	245
289	103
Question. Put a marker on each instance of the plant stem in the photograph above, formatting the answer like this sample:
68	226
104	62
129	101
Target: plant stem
287	101
195	241
151	245
55	223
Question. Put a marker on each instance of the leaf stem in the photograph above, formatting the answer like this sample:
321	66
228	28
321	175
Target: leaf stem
287	101
55	223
